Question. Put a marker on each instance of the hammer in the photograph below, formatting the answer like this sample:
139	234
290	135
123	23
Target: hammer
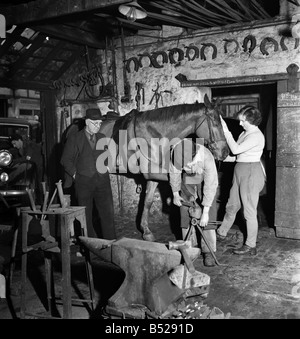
182	247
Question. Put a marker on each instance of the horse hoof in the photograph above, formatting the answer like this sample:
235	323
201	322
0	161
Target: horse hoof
148	237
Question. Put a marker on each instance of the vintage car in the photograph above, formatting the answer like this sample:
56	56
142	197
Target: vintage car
14	192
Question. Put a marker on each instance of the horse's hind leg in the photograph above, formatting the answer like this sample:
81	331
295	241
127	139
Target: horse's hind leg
149	197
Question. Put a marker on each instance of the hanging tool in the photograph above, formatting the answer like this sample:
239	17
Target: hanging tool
64	114
126	97
158	96
139	97
155	96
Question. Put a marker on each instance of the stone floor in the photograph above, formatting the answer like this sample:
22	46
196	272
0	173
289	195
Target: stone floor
266	286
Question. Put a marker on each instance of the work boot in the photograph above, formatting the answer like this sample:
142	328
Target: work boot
209	260
245	249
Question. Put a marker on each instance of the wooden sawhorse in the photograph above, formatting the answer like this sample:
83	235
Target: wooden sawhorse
65	220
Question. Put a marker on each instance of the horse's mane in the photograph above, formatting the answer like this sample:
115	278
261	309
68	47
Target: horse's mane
170	113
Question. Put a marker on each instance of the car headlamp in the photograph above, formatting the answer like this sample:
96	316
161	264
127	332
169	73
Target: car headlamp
3	177
5	158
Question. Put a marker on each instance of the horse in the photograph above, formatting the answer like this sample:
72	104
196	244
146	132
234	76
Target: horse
135	131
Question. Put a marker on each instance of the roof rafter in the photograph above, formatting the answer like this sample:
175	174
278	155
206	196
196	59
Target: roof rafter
40	10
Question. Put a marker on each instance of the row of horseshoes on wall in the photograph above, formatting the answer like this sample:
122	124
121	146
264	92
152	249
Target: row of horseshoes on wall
193	52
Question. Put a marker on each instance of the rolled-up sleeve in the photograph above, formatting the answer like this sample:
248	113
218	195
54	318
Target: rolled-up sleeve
210	179
175	179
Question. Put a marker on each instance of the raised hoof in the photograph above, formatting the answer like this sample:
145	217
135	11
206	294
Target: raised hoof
148	237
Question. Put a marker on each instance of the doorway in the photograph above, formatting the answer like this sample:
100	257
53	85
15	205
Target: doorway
263	96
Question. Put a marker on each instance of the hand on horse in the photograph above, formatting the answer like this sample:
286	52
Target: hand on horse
224	125
177	199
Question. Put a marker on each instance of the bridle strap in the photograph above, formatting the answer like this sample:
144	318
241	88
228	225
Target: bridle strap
206	117
211	136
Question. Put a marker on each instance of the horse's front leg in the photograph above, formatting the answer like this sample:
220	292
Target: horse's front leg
149	197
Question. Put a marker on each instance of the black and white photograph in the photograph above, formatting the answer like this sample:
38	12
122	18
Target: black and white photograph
150	162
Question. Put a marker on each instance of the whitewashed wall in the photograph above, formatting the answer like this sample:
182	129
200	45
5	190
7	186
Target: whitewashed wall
226	65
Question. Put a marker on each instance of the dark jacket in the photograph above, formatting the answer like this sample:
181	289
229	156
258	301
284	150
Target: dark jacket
78	156
32	149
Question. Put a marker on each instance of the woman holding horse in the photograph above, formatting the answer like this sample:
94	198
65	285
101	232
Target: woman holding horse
248	178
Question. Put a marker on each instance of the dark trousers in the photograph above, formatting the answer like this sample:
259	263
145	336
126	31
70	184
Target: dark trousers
97	190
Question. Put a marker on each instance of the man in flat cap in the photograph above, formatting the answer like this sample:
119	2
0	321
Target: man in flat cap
79	161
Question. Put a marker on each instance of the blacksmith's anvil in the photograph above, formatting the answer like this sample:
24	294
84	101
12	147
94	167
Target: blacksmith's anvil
146	265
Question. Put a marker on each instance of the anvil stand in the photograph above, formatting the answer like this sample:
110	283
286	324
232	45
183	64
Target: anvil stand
65	218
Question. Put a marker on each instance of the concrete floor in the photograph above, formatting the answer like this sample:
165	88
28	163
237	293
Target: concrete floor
266	286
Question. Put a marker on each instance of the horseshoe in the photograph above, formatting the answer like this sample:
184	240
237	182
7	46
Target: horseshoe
136	64
76	82
172	52
68	82
263	45
144	55
252	39
57	84
154	59
227	41
282	44
196	52
214	55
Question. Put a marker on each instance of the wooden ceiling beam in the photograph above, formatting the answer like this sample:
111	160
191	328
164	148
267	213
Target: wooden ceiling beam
173	21
138	25
41	10
223	7
64	32
134	25
244	6
203	11
46	60
191	12
260	9
9	41
36	43
24	84
75	56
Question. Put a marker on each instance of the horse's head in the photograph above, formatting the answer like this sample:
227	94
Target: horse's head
213	134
